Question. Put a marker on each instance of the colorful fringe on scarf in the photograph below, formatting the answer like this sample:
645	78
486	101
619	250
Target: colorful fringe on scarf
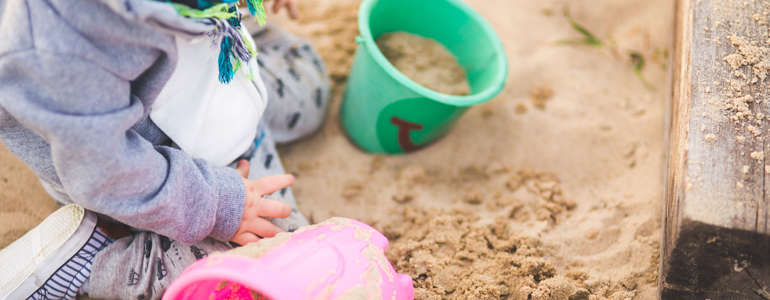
234	47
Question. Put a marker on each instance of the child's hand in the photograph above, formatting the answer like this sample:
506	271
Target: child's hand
291	5
253	227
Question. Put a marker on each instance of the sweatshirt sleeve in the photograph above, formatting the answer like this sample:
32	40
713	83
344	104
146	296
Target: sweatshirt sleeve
86	114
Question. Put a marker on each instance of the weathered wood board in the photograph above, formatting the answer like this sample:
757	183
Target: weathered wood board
716	239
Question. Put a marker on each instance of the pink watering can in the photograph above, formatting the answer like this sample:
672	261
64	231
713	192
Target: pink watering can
336	259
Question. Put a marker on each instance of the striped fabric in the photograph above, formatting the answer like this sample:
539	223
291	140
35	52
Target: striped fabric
65	283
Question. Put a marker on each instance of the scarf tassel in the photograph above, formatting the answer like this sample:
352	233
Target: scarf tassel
257	9
233	44
226	70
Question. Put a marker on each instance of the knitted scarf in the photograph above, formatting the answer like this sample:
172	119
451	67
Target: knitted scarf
234	47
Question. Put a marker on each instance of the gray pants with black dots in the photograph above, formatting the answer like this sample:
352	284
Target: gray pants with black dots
142	265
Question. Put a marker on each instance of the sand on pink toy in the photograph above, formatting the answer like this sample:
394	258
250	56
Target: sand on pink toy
336	259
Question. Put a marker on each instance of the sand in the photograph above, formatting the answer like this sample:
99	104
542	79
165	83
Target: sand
451	255
565	164
23	202
425	61
569	154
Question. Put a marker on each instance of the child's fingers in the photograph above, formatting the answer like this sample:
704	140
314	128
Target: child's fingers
264	228
293	9
291	6
277	5
243	168
253	230
270	184
244	238
273	208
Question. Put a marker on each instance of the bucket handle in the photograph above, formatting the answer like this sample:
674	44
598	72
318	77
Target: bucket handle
360	40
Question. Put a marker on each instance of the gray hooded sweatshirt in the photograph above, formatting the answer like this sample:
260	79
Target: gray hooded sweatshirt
78	79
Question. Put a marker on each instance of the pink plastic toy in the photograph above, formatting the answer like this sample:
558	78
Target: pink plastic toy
336	259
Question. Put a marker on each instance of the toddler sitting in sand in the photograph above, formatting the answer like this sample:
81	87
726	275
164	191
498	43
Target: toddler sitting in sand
152	117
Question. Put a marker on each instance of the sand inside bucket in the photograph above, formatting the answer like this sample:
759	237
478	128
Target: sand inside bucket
425	61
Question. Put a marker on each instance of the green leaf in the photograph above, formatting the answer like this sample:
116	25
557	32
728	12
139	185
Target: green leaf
588	37
638	60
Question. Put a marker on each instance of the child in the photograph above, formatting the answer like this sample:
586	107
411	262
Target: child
153	118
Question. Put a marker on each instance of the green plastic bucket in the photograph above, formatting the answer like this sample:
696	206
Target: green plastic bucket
382	110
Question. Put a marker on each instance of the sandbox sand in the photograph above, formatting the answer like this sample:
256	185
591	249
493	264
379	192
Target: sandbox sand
553	189
568	157
425	61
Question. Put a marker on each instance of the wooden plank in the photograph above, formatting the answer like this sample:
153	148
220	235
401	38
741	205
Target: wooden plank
716	240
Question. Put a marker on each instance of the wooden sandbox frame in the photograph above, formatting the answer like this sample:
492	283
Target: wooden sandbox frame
716	225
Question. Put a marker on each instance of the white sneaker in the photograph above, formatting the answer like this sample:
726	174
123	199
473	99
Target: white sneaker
30	263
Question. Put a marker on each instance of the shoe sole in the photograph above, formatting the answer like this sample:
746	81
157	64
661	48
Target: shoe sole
31	260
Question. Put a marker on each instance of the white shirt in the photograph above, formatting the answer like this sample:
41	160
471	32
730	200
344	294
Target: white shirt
205	118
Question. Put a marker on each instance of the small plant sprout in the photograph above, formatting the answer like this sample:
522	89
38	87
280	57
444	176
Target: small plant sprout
638	60
588	37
